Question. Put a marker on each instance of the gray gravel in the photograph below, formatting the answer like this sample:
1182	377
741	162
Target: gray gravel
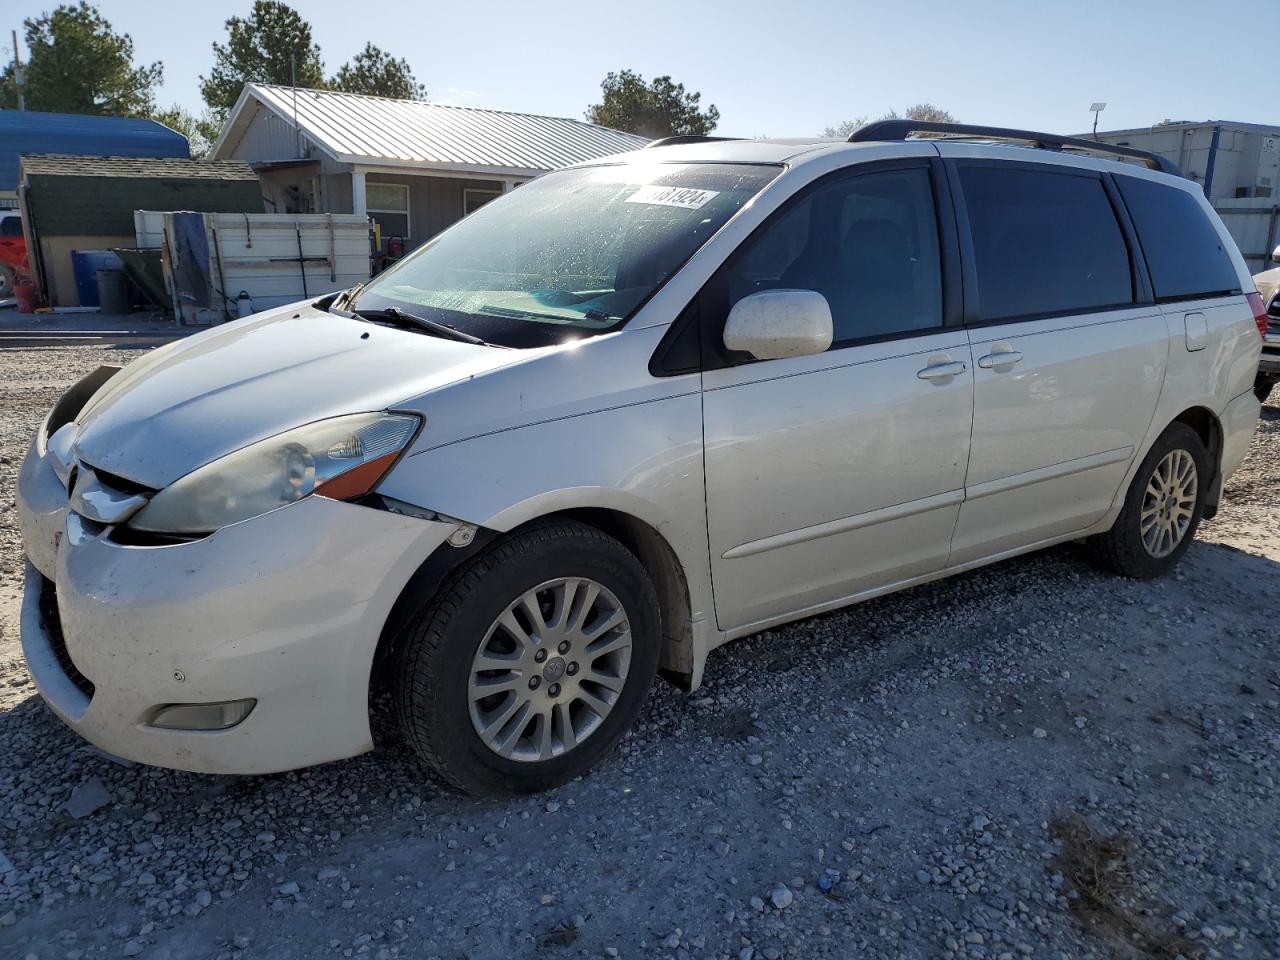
1031	760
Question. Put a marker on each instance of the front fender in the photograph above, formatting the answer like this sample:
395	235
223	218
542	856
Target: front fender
643	460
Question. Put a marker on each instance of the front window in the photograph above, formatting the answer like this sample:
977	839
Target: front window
568	255
388	205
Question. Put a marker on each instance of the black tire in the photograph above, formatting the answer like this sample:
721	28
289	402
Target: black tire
434	658
7	280
1262	387
1121	549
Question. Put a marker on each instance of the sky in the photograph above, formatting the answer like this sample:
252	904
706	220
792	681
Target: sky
780	68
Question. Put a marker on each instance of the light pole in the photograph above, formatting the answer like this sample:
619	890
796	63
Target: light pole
1097	108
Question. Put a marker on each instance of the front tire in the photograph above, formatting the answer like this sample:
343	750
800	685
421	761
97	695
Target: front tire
532	663
1162	508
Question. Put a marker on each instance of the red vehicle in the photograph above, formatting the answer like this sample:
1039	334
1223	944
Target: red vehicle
13	252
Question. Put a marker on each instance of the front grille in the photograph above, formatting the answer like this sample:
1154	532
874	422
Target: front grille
52	622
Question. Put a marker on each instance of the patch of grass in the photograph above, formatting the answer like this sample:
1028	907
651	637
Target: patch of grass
1096	869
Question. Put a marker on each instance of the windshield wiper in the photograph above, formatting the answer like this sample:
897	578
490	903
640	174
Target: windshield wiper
406	319
598	316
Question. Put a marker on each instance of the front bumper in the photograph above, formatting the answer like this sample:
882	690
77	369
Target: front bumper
286	609
1270	362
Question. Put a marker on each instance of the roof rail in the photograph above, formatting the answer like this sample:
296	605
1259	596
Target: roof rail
683	138
901	129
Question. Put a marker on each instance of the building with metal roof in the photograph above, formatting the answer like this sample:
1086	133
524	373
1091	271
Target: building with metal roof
413	166
31	131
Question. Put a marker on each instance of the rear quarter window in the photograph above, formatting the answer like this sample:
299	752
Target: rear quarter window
1184	253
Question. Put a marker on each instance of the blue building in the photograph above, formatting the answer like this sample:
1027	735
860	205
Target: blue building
28	131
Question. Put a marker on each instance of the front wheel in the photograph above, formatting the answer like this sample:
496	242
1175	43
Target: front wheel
1162	508
532	663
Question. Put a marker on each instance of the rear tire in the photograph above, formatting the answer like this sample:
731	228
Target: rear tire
1162	509
7	280
541	593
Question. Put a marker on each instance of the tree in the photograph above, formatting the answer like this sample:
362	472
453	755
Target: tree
842	129
77	64
271	45
200	131
658	109
921	111
376	72
926	112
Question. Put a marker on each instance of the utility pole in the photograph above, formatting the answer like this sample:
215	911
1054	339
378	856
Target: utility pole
17	73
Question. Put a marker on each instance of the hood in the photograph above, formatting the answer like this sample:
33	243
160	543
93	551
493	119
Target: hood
195	400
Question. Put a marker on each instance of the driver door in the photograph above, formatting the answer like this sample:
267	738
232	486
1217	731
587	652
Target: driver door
834	475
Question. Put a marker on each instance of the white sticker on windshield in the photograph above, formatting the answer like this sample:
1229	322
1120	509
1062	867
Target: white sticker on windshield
686	197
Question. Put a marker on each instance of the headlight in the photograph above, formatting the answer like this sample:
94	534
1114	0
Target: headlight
339	458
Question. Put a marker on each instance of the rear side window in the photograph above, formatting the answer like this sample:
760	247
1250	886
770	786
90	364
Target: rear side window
1044	243
1184	253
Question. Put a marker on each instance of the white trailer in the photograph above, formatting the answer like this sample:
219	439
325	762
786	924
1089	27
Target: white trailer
269	259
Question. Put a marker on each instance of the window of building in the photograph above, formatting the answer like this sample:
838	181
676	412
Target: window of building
867	243
388	205
1044	242
1183	250
1242	193
473	199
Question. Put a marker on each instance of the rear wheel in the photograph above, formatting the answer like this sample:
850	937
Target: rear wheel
533	662
1162	508
7	278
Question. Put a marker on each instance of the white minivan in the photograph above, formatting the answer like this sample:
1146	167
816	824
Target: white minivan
626	413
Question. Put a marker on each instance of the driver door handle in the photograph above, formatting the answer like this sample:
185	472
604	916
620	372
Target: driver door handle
939	371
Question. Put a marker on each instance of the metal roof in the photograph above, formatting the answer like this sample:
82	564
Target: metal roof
31	131
136	168
353	128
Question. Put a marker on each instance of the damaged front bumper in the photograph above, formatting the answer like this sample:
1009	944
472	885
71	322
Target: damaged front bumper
285	610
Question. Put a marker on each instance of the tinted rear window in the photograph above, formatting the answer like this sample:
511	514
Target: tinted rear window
1044	242
1184	254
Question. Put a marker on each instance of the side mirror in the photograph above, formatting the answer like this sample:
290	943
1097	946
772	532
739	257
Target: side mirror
773	324
1275	254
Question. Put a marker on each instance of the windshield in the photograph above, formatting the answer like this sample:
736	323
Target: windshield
568	255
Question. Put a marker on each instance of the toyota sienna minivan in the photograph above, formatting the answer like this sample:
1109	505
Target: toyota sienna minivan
626	413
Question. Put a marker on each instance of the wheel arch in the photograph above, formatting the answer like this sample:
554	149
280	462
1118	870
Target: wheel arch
677	661
1209	429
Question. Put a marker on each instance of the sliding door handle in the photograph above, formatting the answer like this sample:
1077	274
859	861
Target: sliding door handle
1001	360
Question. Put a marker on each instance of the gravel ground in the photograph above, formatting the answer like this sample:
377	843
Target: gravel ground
1031	760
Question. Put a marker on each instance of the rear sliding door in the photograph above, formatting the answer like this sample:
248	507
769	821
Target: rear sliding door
1069	352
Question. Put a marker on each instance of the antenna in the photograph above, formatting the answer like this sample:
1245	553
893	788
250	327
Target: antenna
17	74
293	82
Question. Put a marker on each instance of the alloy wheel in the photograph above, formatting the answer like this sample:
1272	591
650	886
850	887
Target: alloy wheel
550	669
1169	503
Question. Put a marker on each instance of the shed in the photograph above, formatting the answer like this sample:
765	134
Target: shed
412	166
31	131
87	203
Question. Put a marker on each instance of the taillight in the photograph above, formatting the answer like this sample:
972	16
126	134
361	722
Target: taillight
1259	312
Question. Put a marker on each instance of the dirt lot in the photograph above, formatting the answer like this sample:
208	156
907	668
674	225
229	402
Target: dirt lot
1032	760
